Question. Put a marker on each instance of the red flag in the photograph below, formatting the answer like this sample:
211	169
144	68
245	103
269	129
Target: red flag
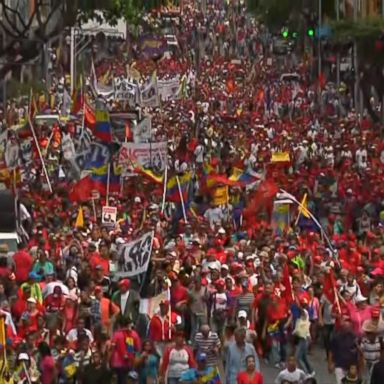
81	191
262	198
329	287
77	101
89	118
128	132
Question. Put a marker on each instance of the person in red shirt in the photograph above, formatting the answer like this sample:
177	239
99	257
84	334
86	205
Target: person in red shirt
23	262
179	294
162	326
250	375
126	343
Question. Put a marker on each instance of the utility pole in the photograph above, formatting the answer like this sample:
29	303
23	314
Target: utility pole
355	62
72	59
320	22
338	52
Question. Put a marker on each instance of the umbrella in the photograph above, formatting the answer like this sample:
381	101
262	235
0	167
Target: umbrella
49	288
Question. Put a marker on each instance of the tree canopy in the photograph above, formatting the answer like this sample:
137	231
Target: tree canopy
25	35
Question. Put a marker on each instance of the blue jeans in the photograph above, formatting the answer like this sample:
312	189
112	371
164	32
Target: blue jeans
302	355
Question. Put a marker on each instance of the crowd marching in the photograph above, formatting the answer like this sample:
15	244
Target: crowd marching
237	223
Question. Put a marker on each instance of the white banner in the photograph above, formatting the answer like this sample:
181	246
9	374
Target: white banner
151	306
142	130
68	147
135	256
148	155
109	215
126	90
149	96
169	89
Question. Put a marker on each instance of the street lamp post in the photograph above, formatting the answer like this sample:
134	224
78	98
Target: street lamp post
72	58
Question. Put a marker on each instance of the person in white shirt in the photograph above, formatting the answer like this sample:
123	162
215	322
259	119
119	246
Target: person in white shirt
291	374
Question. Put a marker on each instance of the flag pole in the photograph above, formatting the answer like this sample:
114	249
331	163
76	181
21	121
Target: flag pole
38	146
165	187
108	181
181	198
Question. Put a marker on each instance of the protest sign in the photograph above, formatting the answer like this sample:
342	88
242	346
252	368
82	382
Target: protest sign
147	155
126	90
142	130
169	89
135	256
109	215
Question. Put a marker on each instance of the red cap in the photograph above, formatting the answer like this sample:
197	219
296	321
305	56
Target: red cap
124	283
375	312
99	289
220	283
164	302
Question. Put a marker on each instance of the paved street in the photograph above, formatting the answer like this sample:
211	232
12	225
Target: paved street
317	359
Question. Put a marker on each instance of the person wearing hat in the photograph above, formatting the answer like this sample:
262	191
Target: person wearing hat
360	312
201	372
107	311
133	377
243	322
127	300
219	304
370	345
162	325
34	286
26	370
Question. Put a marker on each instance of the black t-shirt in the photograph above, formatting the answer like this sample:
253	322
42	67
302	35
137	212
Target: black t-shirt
377	376
344	349
93	375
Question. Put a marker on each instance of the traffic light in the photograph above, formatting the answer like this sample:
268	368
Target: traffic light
295	35
285	34
310	32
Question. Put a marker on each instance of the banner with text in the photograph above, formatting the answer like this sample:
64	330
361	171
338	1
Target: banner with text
135	256
147	155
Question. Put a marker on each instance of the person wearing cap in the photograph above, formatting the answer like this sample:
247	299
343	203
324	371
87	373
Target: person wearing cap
360	312
219	305
34	286
133	377
162	325
370	345
201	373
197	304
25	365
243	322
107	311
127	300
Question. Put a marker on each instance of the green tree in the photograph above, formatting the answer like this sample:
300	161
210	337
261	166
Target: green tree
26	33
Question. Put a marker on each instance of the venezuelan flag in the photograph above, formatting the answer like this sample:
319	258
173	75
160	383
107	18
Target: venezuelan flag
172	193
103	129
150	175
130	344
99	179
212	377
241	176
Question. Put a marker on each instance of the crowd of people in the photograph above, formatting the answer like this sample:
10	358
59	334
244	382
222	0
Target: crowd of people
239	292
